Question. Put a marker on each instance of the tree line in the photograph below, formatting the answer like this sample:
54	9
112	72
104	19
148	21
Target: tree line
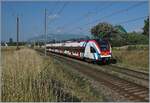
118	36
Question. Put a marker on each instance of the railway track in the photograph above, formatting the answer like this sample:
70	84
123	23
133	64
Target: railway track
130	91
137	77
137	74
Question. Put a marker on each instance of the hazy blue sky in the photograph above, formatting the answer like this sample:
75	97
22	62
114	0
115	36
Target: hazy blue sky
68	17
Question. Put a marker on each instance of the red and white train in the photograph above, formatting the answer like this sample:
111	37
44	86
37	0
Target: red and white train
89	50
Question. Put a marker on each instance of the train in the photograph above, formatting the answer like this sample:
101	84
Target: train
93	50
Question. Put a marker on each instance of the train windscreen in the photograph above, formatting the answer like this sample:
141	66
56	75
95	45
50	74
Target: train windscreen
104	45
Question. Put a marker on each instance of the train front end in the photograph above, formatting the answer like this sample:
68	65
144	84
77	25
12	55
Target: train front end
105	51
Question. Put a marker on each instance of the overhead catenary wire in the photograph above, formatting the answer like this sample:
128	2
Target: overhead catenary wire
60	10
45	23
84	16
46	16
63	7
116	13
126	21
131	20
106	16
112	14
53	9
105	7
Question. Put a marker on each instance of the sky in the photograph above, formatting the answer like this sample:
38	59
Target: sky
68	17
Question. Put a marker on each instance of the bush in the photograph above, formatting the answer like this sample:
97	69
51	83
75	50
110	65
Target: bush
134	38
118	40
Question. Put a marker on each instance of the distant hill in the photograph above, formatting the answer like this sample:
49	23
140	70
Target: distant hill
60	37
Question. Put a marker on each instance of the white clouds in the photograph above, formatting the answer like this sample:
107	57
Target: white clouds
53	16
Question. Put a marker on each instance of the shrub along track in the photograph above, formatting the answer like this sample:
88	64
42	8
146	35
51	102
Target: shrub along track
126	89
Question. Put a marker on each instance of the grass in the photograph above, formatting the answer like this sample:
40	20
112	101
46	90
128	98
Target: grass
3	48
19	73
80	86
29	77
136	57
132	47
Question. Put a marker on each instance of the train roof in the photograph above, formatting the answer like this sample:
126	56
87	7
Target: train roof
71	41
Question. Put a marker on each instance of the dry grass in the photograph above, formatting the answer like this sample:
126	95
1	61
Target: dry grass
27	76
19	75
76	84
10	48
138	59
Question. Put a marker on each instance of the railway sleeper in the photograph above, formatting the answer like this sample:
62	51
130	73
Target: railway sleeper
118	81
135	98
130	96
144	95
123	85
131	88
125	93
135	90
138	93
147	98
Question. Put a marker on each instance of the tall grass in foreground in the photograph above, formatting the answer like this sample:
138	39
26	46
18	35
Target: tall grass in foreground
27	76
19	76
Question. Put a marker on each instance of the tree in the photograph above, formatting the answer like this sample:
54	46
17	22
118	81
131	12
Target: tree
118	36
102	30
146	27
11	41
136	38
119	29
115	34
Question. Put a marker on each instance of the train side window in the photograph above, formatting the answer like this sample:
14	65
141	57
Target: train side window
92	50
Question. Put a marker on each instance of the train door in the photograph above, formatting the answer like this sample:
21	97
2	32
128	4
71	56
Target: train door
89	51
